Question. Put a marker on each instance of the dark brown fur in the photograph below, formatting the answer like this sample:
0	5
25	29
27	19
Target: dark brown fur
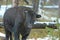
18	20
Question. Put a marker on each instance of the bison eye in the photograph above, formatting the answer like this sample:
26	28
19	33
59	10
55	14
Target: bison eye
38	16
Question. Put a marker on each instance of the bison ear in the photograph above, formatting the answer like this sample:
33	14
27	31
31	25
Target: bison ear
26	11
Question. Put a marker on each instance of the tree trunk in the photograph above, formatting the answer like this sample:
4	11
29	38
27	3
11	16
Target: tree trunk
15	3
59	9
0	4
35	5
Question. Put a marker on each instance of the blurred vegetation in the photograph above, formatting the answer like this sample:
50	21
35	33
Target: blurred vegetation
4	2
21	2
1	19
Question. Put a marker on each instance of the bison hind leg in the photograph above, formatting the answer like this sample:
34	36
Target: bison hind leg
8	35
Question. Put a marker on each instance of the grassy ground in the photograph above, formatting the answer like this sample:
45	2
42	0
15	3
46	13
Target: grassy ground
37	33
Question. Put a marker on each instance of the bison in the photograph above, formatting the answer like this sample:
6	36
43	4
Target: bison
19	20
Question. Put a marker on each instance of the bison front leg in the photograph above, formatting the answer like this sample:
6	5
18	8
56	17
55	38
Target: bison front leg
11	36
16	35
16	28
16	32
